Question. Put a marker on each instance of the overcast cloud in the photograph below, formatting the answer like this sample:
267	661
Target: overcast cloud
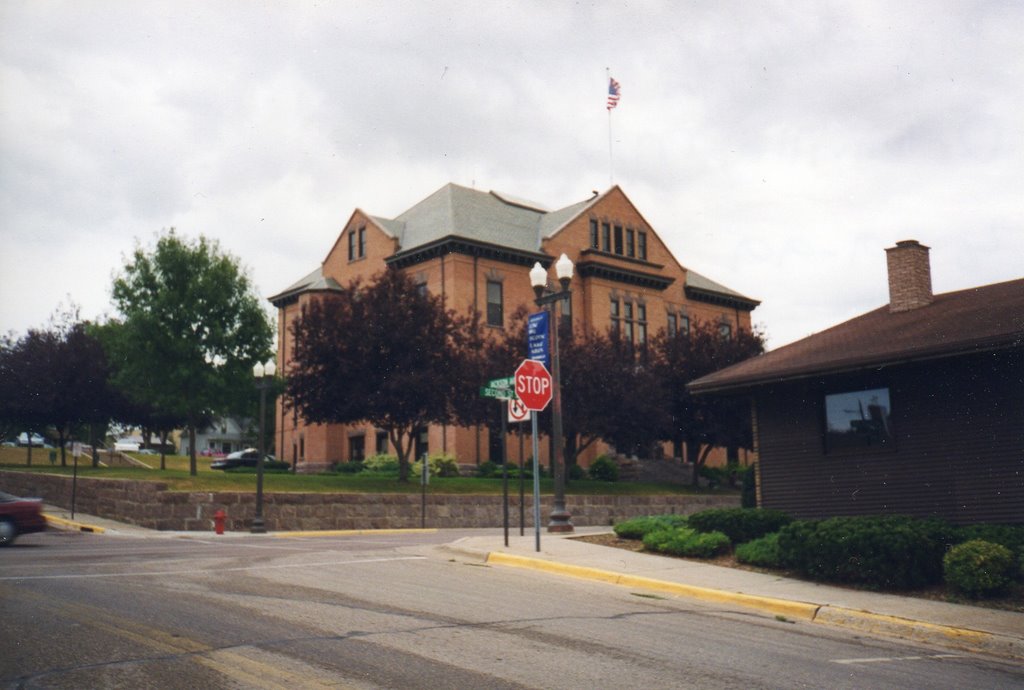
777	148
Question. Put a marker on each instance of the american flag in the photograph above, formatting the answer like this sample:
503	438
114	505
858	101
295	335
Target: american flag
613	93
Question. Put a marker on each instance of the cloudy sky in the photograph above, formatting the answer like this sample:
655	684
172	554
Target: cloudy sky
777	148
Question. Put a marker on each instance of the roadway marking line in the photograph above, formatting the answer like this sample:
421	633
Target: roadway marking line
191	571
887	659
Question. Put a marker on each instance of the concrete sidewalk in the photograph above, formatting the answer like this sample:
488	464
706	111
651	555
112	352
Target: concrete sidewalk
990	631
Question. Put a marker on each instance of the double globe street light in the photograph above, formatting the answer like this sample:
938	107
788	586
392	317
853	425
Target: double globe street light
560	519
264	374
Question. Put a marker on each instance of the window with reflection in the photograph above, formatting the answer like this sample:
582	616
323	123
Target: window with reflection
858	419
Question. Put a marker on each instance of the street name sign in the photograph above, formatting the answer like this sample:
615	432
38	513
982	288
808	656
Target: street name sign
500	389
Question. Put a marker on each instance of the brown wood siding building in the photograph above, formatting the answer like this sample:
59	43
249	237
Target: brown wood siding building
958	453
915	408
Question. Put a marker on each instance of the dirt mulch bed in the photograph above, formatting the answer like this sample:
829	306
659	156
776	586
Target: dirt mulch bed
1013	602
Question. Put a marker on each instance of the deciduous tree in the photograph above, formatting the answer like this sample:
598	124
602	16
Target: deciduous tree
386	353
55	378
192	329
701	423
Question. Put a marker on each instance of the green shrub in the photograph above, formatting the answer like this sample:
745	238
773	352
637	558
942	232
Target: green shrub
890	552
763	552
352	467
576	472
685	541
604	469
1010	536
716	476
487	470
492	470
748	492
439	466
740	524
658	538
703	545
636	528
979	568
381	464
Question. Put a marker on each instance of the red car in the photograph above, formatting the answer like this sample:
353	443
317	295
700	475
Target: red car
19	516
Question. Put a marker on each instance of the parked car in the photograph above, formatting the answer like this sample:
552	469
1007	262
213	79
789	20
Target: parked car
148	451
19	516
247	458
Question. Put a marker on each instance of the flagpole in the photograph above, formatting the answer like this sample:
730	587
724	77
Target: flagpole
611	166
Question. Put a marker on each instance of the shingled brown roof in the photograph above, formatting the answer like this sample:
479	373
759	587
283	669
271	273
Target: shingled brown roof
974	320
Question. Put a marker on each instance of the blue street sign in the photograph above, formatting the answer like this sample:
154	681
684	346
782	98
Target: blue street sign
537	338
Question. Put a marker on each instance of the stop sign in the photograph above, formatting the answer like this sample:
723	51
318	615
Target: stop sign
533	385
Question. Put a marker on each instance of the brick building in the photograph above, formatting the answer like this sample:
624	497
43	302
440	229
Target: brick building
476	249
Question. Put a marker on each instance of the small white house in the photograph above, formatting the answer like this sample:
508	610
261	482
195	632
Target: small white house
225	435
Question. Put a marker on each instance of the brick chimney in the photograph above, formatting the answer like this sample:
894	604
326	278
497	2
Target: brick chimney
910	276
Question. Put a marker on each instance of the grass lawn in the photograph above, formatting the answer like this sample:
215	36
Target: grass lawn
177	477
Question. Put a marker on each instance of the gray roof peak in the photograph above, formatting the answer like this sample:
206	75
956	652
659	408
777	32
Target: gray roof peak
493	217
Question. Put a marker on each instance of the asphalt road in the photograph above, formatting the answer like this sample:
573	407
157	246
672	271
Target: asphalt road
393	611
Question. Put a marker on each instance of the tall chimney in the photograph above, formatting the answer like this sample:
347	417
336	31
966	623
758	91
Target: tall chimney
910	276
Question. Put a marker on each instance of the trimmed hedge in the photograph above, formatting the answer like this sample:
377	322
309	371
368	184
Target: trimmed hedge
763	552
890	552
685	541
979	568
1010	536
739	524
636	528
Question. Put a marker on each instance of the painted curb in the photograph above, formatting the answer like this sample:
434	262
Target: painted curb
780	607
351	532
920	631
80	526
823	614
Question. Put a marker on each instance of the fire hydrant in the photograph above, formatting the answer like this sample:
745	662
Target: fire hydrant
218	521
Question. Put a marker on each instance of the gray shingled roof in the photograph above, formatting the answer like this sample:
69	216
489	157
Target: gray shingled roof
309	283
489	217
701	282
471	214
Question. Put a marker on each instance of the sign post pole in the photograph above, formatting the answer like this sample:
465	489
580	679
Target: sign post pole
76	450
533	388
536	482
504	465
522	484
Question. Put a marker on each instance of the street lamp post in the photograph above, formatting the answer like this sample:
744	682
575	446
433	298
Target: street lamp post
264	374
560	519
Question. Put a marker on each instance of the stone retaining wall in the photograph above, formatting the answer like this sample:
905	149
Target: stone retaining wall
152	505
